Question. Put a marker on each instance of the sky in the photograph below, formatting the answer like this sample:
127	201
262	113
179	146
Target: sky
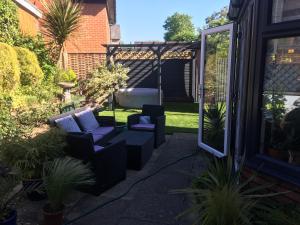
143	20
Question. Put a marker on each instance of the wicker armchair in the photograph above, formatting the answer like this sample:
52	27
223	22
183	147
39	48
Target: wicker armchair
158	122
109	163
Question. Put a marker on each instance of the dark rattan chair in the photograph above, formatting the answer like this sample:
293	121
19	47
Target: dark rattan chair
158	122
109	163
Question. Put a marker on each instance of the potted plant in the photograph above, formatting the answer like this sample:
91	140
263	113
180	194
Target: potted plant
29	155
274	105
291	127
60	178
276	149
8	215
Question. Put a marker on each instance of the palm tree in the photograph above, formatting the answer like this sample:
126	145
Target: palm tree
61	19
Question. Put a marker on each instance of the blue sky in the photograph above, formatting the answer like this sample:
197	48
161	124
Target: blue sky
142	20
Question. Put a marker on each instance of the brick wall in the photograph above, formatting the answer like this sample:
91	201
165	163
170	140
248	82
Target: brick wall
29	23
85	50
93	32
278	186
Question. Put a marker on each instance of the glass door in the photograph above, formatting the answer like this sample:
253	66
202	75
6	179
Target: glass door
215	90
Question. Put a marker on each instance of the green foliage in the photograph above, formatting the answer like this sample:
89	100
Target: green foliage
8	125
61	19
179	27
218	43
222	198
31	73
37	45
7	185
105	80
9	68
291	128
9	22
29	155
275	105
217	18
214	124
61	177
65	76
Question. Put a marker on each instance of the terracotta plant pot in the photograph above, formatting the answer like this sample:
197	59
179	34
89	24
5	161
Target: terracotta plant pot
53	218
11	220
278	154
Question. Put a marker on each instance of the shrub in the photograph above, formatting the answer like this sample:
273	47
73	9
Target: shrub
61	177
29	155
8	125
9	68
31	72
65	76
105	80
9	21
37	45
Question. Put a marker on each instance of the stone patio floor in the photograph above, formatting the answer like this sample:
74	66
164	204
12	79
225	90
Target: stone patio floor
148	203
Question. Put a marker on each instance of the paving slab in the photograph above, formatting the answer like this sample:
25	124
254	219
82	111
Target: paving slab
148	203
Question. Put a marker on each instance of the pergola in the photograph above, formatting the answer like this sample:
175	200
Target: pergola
153	50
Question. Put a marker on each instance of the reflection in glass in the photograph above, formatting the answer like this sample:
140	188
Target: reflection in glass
285	10
281	101
215	83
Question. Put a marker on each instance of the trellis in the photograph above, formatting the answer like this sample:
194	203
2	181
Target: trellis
158	51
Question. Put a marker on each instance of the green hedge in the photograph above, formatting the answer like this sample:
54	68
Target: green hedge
31	72
9	21
9	68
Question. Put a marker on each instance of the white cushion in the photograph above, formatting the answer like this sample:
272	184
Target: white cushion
145	120
68	124
87	120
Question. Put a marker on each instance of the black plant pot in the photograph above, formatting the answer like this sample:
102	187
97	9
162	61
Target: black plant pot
34	195
11	219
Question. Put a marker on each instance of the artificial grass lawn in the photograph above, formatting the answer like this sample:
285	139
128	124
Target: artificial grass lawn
181	117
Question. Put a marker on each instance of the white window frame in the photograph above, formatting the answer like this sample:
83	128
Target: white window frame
227	136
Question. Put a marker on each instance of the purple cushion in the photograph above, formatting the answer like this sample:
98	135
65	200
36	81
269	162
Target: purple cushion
97	137
68	124
102	130
87	120
98	148
143	126
145	120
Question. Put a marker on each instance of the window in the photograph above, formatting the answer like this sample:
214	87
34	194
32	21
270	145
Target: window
280	127
285	10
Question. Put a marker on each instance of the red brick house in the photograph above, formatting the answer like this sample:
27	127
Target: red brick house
29	16
85	48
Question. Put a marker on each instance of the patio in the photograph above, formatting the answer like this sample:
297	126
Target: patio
149	202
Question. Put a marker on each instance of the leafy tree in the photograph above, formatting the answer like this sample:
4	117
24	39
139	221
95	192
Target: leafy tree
9	21
61	19
179	27
217	18
104	81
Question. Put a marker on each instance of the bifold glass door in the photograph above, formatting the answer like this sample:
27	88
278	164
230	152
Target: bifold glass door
215	89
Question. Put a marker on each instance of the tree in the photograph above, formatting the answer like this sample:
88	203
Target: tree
217	18
61	19
179	27
105	81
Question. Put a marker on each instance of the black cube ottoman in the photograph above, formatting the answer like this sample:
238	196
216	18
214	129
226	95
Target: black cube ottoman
139	147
